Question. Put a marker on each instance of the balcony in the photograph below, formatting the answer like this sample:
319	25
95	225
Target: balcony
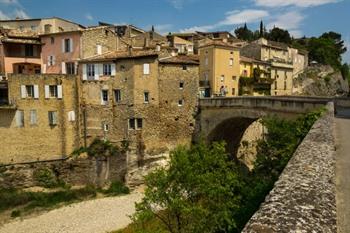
204	83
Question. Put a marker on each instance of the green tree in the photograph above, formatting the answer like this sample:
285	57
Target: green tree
279	35
244	33
197	193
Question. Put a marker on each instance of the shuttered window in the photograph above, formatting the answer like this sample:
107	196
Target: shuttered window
146	68
33	117
52	118
20	118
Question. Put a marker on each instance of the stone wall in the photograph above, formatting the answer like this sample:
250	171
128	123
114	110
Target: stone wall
78	171
39	140
303	199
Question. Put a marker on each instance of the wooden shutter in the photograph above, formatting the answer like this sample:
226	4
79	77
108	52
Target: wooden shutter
84	72
59	91
146	68
48	60
113	69
71	116
36	92
63	64
47	91
53	60
23	92
97	71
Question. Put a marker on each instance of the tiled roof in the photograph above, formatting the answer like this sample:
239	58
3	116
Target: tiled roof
121	55
181	59
218	43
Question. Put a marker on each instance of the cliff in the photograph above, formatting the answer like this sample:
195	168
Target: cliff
320	81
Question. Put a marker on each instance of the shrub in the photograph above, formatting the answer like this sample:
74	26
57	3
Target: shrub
45	177
15	213
116	188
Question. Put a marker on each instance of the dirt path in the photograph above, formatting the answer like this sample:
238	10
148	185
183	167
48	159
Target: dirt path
343	174
95	216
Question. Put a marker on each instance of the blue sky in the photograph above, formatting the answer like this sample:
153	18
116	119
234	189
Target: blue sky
300	17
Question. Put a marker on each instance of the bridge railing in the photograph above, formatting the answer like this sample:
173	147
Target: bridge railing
282	103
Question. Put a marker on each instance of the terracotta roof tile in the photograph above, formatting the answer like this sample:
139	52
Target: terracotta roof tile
181	59
121	55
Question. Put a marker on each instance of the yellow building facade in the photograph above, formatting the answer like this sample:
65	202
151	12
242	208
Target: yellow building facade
219	69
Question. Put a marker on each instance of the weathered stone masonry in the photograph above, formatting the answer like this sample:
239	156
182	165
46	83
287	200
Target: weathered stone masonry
303	199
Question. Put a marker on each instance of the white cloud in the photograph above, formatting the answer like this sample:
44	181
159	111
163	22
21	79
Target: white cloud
290	20
88	16
299	3
177	4
20	14
9	2
163	28
199	28
245	16
3	16
232	18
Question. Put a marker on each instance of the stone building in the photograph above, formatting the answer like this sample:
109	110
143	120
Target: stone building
281	63
183	46
126	96
219	69
39	120
255	77
61	51
40	25
20	53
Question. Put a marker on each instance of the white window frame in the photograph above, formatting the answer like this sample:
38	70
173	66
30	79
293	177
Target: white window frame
107	69
146	96
103	101
180	103
231	62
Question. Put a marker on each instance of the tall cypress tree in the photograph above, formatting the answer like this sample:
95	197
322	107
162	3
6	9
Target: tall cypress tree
261	29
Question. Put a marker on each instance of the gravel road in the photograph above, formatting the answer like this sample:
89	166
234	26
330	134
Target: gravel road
95	216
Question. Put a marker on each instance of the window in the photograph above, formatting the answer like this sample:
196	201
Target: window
33	28
139	123
135	123
107	69
180	102
233	91
29	50
30	91
285	75
117	95
52	118
181	86
285	85
184	67
20	118
47	28
33	117
276	85
146	68
53	91
146	97
105	127
231	62
132	123
206	61
70	68
90	71
104	96
222	78
234	78
67	45
52	39
122	68
51	60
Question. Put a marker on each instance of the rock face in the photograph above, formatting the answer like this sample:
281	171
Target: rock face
248	146
320	81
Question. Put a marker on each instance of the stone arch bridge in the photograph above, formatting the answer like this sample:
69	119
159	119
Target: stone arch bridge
228	118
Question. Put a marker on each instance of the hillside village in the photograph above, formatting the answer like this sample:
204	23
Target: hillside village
61	80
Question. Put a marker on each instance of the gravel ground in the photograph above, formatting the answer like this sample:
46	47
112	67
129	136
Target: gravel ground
95	216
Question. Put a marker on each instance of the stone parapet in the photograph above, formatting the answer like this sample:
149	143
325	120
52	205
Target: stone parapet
304	197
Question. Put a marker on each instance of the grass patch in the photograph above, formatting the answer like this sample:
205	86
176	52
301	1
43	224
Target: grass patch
115	189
